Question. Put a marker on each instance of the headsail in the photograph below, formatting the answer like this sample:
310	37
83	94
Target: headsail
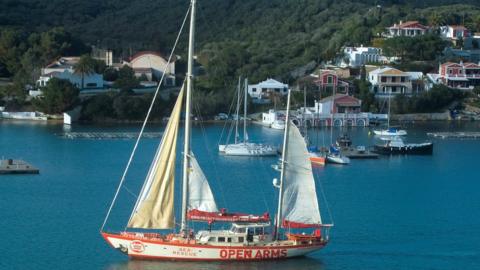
200	195
299	205
154	207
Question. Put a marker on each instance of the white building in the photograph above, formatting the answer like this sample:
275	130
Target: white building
64	68
359	56
454	32
263	90
406	29
388	81
152	65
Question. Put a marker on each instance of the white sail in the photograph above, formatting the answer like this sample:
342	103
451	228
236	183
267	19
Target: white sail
200	195
154	207
299	203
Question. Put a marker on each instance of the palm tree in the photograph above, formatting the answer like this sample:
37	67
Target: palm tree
85	66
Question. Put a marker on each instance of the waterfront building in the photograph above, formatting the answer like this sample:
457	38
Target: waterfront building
64	68
263	91
388	81
152	65
338	110
406	29
463	76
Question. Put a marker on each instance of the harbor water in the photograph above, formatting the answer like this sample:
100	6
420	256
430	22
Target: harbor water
398	212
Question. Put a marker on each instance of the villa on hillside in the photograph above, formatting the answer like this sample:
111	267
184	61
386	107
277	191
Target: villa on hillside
327	80
463	76
389	81
406	29
263	91
64	68
359	56
454	33
151	65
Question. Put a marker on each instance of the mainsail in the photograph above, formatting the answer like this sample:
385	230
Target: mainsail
154	207
200	195
299	205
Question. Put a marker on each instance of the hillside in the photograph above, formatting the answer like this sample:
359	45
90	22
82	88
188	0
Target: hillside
258	38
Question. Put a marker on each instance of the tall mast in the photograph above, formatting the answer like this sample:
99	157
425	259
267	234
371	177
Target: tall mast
388	115
237	116
245	139
282	172
188	105
333	109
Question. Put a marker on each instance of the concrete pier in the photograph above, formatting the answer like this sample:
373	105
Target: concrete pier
13	166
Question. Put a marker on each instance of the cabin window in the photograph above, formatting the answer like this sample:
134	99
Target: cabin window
221	239
241	239
229	239
211	239
91	85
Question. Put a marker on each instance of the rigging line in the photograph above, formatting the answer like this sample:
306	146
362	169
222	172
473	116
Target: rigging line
232	123
210	154
226	122
145	121
325	200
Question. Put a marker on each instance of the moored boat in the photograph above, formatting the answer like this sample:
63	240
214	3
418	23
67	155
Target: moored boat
396	145
335	156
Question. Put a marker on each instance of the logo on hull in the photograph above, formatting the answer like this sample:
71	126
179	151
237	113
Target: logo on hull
137	246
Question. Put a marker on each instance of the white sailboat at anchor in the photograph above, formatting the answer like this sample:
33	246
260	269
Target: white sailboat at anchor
245	148
151	233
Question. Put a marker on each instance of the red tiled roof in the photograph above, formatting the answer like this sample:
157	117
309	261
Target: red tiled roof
410	24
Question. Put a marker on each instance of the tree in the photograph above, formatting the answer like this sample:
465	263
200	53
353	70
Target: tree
85	66
57	96
126	80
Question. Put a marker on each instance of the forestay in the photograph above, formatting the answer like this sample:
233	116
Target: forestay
299	205
154	207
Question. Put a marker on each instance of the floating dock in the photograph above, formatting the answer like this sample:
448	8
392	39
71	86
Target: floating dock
455	135
13	166
109	135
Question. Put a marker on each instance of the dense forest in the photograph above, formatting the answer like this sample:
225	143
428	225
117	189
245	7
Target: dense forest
282	39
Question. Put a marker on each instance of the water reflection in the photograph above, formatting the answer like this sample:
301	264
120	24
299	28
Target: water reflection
303	263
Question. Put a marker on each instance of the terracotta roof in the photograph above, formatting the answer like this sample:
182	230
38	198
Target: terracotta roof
410	24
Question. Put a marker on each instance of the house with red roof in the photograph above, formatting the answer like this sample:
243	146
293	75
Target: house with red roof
329	80
464	76
151	65
406	29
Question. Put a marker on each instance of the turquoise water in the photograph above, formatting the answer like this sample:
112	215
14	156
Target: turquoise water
404	212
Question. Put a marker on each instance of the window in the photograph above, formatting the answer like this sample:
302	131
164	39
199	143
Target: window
264	90
254	89
277	90
241	239
402	79
221	239
384	79
211	239
229	239
330	79
91	85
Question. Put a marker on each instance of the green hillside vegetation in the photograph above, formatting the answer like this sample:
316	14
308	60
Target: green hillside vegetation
282	39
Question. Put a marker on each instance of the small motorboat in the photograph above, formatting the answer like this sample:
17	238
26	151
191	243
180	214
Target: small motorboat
334	156
391	131
278	124
396	145
344	141
316	156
